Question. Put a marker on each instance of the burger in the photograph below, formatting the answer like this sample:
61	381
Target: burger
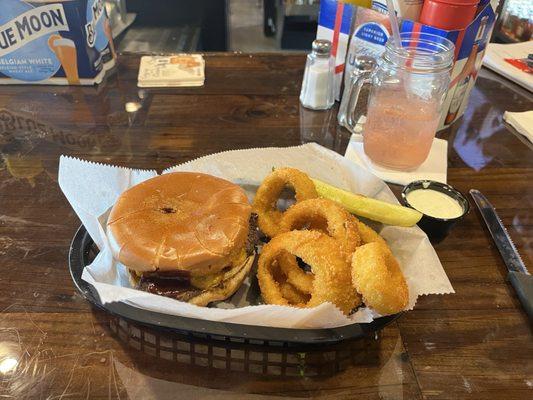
184	235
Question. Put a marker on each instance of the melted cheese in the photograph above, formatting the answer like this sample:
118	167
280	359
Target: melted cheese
212	280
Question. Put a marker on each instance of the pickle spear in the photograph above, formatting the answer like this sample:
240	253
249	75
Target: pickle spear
376	210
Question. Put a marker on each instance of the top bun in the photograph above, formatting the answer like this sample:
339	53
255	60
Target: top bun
180	221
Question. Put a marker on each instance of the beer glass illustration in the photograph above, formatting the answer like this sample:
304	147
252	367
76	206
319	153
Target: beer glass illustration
65	51
109	34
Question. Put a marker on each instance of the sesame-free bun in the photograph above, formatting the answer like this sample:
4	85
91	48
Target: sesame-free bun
181	221
225	288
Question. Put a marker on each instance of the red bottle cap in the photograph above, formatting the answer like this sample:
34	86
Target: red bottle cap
448	14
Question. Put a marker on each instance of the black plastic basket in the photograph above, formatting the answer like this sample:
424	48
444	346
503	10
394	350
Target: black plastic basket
82	252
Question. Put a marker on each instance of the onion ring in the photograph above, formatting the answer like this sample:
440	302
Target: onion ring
376	274
286	269
268	193
341	225
295	276
290	292
369	235
293	295
332	281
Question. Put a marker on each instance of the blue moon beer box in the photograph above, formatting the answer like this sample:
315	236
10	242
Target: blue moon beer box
62	42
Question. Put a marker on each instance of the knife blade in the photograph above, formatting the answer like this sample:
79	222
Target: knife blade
518	274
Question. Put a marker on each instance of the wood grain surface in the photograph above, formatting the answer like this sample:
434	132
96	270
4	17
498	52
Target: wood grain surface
475	344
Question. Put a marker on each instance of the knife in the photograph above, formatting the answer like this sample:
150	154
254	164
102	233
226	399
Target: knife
518	274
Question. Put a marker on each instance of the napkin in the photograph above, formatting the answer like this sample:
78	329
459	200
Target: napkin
434	168
521	121
496	54
92	189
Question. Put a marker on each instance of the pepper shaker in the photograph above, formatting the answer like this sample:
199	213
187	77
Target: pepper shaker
363	67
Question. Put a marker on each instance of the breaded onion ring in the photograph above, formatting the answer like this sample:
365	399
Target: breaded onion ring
295	276
268	193
332	281
340	224
369	235
376	274
286	266
293	295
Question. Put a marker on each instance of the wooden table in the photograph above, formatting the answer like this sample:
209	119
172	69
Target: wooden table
474	344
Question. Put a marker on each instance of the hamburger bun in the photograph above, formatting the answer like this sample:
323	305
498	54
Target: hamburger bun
186	232
180	221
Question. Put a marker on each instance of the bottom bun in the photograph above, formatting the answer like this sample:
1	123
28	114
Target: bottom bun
227	287
222	291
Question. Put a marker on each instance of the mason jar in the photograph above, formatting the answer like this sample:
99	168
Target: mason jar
409	85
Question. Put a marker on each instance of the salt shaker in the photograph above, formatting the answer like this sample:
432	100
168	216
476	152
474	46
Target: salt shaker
318	83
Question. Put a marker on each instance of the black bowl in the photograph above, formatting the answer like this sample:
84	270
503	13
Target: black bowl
436	228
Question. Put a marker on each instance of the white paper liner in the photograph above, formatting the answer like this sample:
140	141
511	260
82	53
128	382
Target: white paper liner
92	189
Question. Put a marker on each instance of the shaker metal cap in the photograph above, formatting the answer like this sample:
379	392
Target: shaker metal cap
322	47
364	63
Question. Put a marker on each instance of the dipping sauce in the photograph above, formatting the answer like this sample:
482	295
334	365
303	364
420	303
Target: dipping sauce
434	203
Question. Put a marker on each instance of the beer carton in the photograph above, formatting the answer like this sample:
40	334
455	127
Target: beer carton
370	31
470	44
334	24
362	23
54	42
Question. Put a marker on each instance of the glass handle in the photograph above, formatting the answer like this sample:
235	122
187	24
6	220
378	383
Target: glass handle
355	89
362	74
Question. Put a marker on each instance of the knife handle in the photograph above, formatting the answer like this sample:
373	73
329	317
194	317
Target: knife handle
523	285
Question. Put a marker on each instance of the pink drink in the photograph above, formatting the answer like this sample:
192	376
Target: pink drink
399	130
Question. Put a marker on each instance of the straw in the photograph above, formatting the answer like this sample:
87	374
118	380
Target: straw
405	78
394	24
